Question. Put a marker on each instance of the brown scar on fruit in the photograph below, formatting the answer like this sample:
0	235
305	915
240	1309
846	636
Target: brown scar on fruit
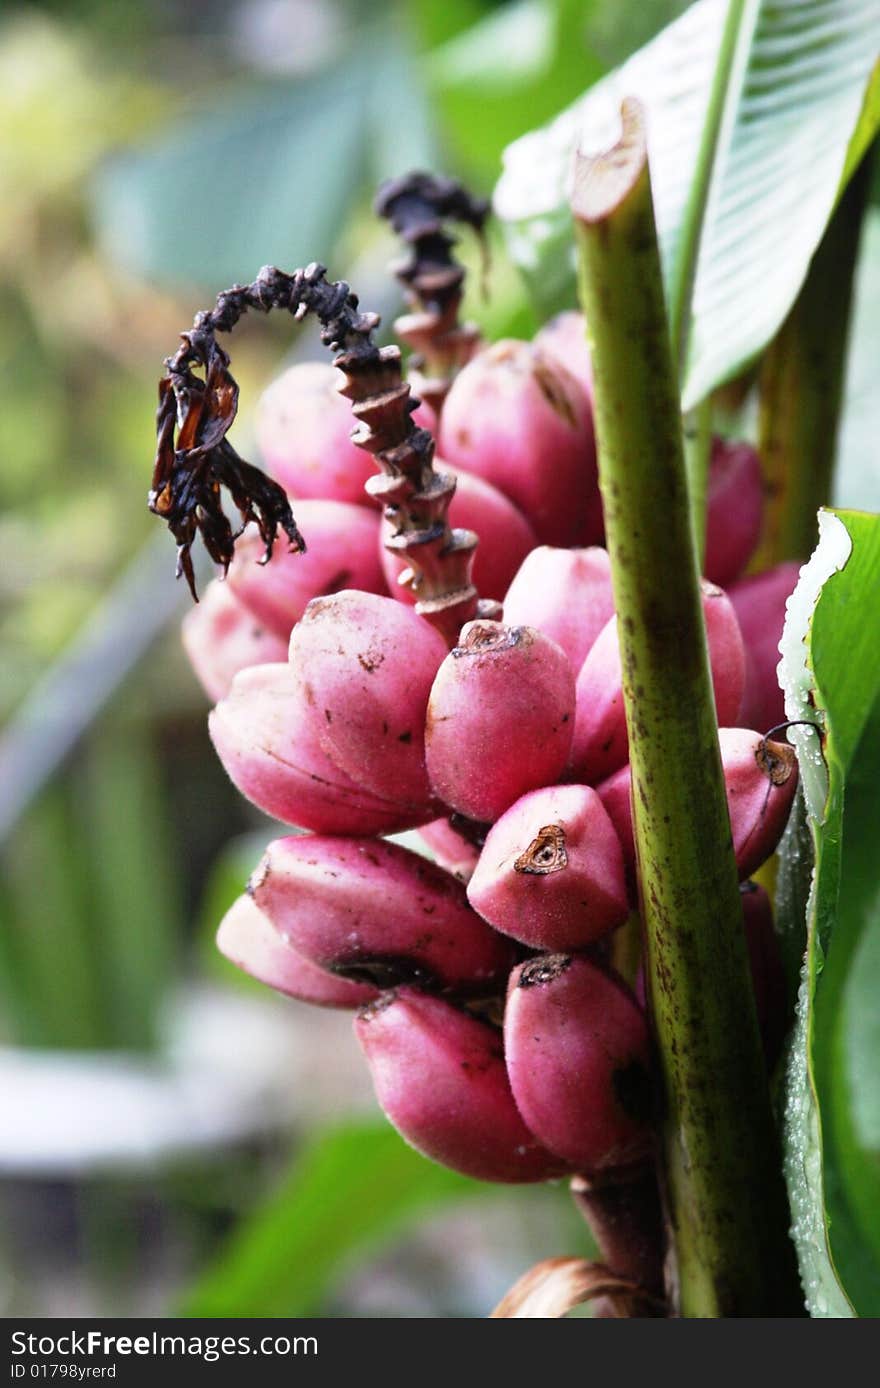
553	391
372	1009
545	854
543	970
484	636
370	662
777	760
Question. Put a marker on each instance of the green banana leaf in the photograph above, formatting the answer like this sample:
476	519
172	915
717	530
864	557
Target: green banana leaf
831	674
757	115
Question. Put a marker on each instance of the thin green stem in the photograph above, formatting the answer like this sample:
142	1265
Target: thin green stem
682	272
697	451
725	1202
801	388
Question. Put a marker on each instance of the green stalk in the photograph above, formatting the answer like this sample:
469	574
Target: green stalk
698	423
681	277
697	452
726	1207
801	388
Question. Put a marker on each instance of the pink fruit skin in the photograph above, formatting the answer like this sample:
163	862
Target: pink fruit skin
578	1058
615	796
500	718
265	736
377	911
221	637
600	746
342	553
551	872
249	941
504	533
734	509
758	809
303	430
726	653
565	339
440	1079
759	603
517	418
451	851
425	417
366	664
566	594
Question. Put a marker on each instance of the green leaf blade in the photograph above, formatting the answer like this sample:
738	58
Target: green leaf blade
776	176
739	215
832	1093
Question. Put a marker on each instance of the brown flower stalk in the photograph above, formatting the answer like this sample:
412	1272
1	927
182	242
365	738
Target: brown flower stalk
417	205
195	459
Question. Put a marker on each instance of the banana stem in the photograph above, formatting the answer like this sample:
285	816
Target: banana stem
725	1204
697	451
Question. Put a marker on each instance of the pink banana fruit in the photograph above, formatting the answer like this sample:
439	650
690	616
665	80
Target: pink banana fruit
578	1058
365	665
221	637
440	1079
566	594
304	433
519	419
760	779
342	553
374	911
248	940
551	873
265	735
500	718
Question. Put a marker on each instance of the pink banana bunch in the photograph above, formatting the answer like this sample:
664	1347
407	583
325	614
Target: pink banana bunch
500	1040
372	726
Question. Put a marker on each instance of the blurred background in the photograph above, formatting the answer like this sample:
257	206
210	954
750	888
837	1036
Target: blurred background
173	1139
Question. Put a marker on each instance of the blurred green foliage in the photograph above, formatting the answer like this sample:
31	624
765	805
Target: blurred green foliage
353	1190
90	920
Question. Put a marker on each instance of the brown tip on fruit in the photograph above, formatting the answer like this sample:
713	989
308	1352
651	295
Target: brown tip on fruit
553	390
545	854
488	636
603	181
777	760
372	1009
543	970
